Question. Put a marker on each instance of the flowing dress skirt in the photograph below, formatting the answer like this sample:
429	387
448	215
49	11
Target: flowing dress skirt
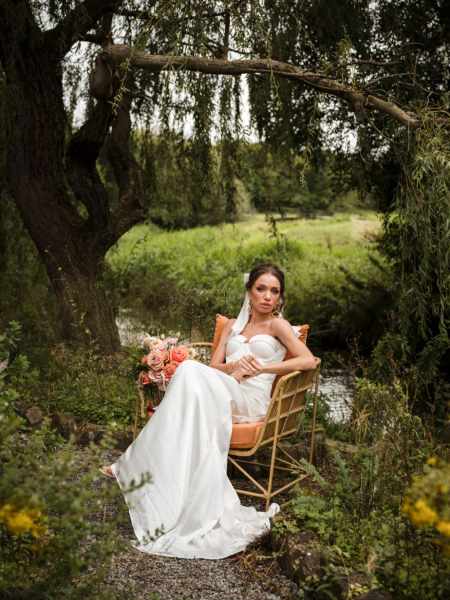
184	448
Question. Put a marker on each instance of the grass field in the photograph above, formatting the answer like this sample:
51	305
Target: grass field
185	277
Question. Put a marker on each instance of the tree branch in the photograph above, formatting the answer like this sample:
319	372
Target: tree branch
146	14
74	27
152	62
82	154
127	172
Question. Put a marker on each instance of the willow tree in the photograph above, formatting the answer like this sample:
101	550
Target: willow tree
170	61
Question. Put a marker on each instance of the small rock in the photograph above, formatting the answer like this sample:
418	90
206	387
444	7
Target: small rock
88	433
300	557
64	424
123	438
34	415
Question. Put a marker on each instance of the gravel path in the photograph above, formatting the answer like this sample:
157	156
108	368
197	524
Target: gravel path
250	575
153	577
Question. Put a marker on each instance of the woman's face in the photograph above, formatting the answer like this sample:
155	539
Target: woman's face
265	293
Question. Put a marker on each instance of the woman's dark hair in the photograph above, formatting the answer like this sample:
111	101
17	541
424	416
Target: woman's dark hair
262	270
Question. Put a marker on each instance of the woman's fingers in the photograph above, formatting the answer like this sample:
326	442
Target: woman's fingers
250	365
256	364
247	365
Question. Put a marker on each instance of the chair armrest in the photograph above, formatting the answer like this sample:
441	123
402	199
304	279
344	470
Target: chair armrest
203	351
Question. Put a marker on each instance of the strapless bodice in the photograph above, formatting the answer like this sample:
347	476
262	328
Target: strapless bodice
266	349
263	346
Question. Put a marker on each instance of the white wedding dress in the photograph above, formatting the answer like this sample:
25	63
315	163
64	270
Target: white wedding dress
184	448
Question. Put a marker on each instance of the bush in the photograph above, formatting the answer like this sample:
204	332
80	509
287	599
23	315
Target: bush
360	512
84	384
54	541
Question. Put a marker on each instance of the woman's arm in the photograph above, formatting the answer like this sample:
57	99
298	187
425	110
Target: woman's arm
302	360
237	369
218	357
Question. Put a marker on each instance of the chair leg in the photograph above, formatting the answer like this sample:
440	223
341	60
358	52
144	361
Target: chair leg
314	417
271	473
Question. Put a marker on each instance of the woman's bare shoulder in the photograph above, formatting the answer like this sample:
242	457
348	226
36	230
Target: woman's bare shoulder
280	326
228	325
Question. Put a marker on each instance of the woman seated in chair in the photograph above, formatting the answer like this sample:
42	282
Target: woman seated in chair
184	446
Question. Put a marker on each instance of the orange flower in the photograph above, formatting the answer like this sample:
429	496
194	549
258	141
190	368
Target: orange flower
179	353
170	369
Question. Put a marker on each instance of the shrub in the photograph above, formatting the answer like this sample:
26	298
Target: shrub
84	384
360	512
54	541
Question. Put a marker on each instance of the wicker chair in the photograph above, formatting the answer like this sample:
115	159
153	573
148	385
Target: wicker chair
283	419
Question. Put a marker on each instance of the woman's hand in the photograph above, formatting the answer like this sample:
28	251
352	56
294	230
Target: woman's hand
247	366
250	364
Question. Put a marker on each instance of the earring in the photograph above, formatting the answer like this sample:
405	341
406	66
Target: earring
276	311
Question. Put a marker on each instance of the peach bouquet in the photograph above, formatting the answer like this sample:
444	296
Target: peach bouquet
161	361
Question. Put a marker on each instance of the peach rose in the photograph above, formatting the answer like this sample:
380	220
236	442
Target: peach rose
170	369
150	342
179	354
156	377
156	359
144	359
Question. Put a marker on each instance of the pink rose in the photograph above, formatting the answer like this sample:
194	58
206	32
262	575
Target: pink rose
156	359
156	377
179	353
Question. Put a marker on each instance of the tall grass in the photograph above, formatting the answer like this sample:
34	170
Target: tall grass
182	279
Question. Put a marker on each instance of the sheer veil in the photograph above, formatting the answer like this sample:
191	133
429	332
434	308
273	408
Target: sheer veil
244	314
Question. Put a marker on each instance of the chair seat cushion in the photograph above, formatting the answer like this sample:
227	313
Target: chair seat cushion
245	435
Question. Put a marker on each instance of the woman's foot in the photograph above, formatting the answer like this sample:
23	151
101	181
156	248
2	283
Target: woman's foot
107	471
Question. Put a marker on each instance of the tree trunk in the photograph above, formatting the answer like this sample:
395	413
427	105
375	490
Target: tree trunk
86	310
71	245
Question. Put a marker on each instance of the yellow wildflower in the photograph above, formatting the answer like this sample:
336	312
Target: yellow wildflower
19	522
444	528
22	521
422	514
406	506
432	461
5	511
442	488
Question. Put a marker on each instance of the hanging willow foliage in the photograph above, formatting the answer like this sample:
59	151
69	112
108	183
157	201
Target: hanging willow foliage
419	229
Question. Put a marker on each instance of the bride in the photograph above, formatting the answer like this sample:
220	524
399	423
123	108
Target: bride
184	446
